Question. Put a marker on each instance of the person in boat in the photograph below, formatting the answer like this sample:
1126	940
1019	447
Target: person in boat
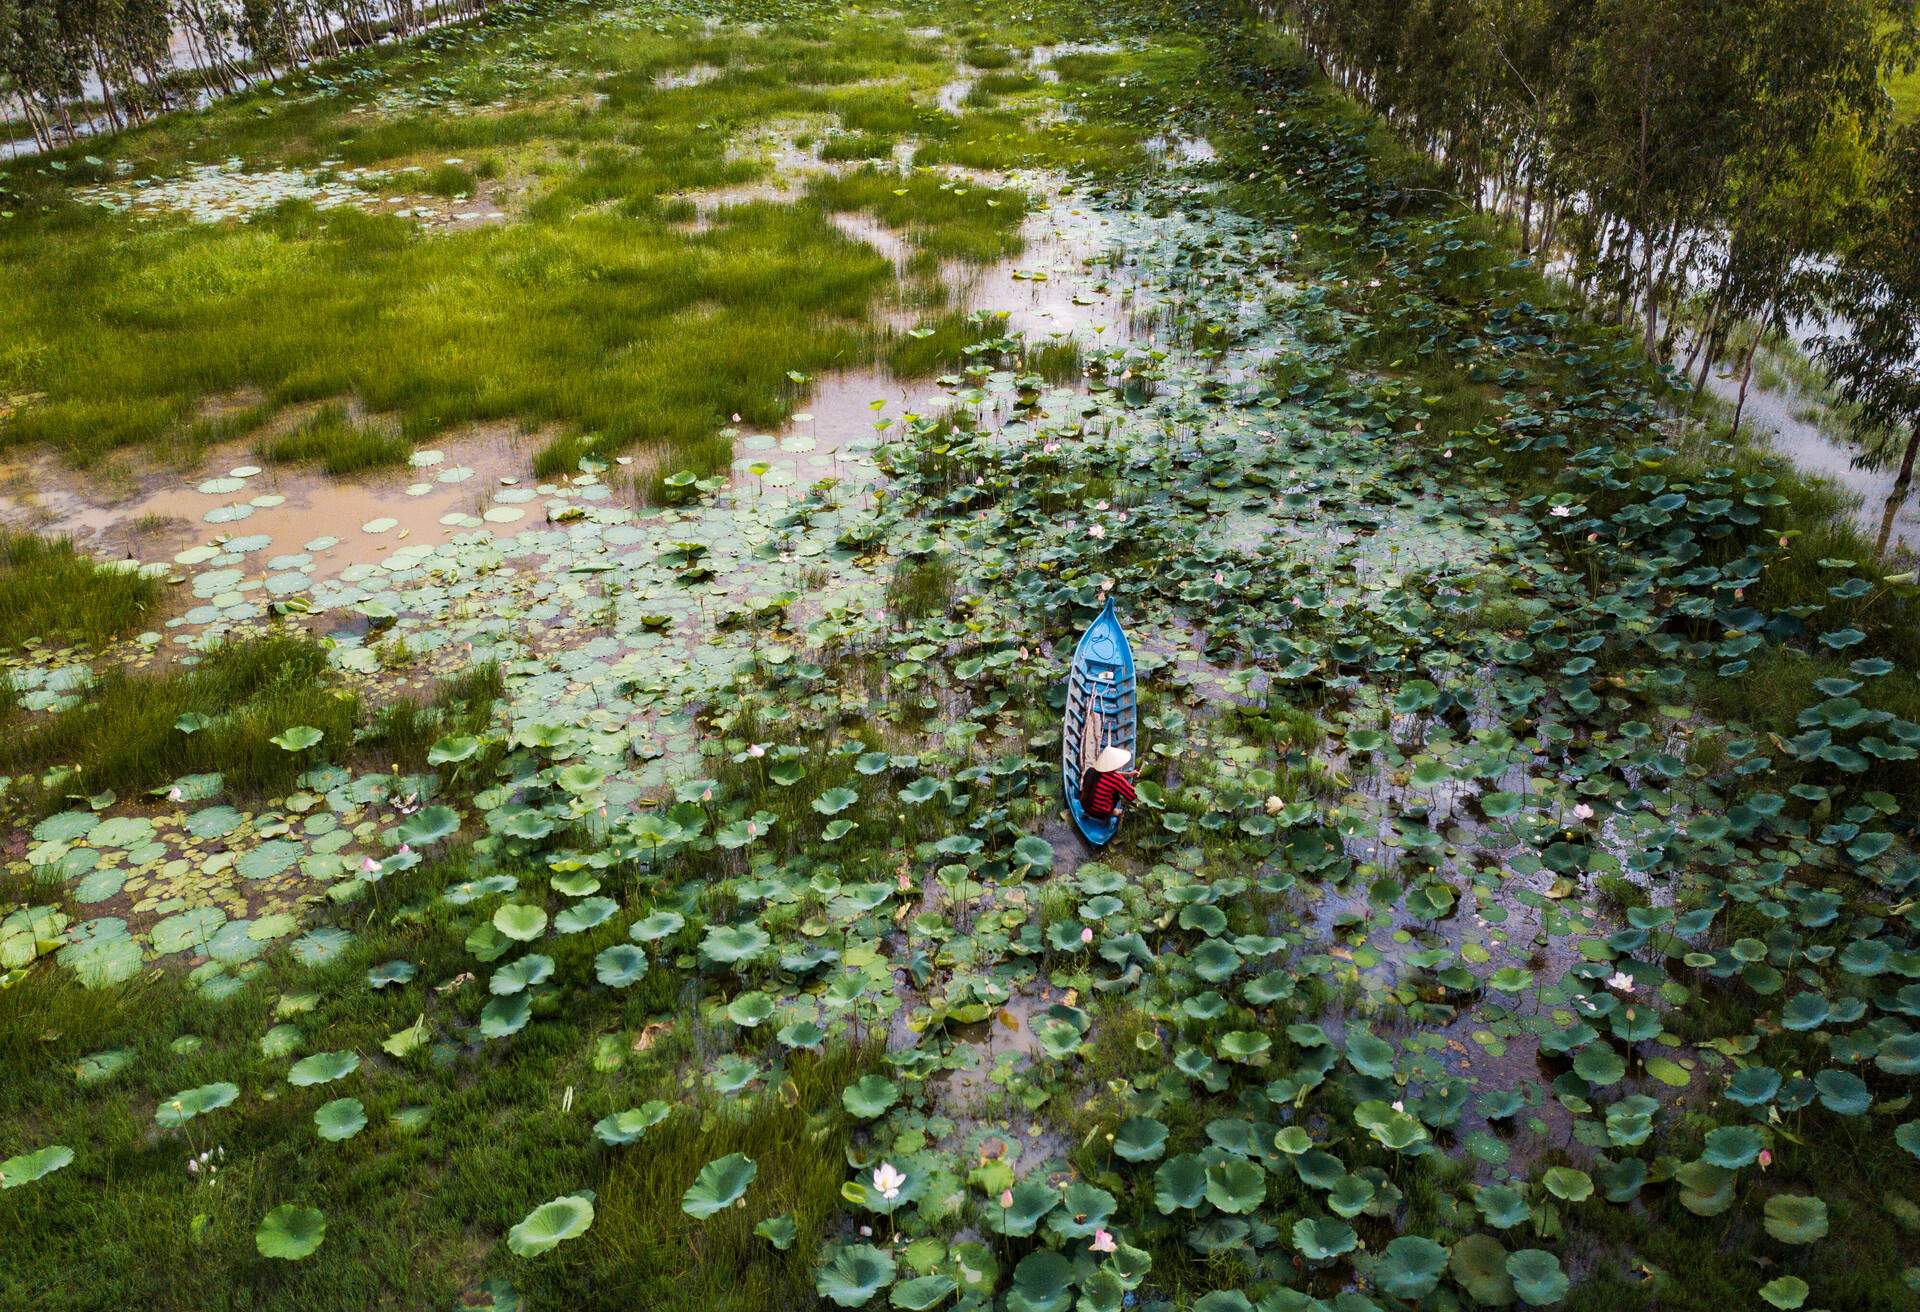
1107	789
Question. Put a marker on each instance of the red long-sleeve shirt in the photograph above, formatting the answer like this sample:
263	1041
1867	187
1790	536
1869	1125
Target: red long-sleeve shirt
1106	791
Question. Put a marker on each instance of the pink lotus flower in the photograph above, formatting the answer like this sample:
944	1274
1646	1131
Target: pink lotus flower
1086	934
1102	1242
1006	1198
1582	812
757	750
1050	447
1766	1157
1096	531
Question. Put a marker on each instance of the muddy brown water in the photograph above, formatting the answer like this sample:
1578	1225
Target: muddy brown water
151	514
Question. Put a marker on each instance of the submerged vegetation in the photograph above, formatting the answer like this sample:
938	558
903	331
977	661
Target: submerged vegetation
667	905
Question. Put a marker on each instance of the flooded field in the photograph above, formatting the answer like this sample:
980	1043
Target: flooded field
665	897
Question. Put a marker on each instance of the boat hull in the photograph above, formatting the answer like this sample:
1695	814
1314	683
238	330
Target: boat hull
1102	711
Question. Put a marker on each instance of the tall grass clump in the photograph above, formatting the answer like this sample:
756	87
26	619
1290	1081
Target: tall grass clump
975	224
338	444
135	732
49	591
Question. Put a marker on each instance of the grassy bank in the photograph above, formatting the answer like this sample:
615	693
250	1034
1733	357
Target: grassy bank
52	593
592	307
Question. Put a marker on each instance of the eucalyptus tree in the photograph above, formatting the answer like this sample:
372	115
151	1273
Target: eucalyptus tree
1873	355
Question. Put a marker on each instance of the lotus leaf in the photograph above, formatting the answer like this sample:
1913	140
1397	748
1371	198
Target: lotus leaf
1478	1263
779	1231
393	972
28	1167
291	1232
520	922
1322	1238
297	738
1031	1200
853	1274
1568	1184
189	1103
1732	1146
1042	1282
323	1068
658	925
869	1096
1140	1139
729	945
551	1224
584	915
1502	1205
340	1119
923	1292
1785	1292
504	1016
1410	1267
1537	1277
1796	1218
720	1184
626	1127
620	966
520	974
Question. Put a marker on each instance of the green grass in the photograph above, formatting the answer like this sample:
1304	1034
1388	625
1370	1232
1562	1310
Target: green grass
51	592
591	312
510	1127
124	736
920	588
858	146
1057	361
403	730
945	219
338	444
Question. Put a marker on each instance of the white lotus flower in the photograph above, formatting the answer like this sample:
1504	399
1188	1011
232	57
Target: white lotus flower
888	1180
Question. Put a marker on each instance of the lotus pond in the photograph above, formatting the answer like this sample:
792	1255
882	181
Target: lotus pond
600	845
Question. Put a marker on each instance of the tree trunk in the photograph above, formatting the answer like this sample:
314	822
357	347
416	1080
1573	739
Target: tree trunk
1904	479
1897	495
1746	375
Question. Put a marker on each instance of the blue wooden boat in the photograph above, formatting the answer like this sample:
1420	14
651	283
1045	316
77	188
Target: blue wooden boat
1103	710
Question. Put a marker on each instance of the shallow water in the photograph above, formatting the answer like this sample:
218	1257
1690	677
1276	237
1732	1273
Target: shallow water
1812	450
